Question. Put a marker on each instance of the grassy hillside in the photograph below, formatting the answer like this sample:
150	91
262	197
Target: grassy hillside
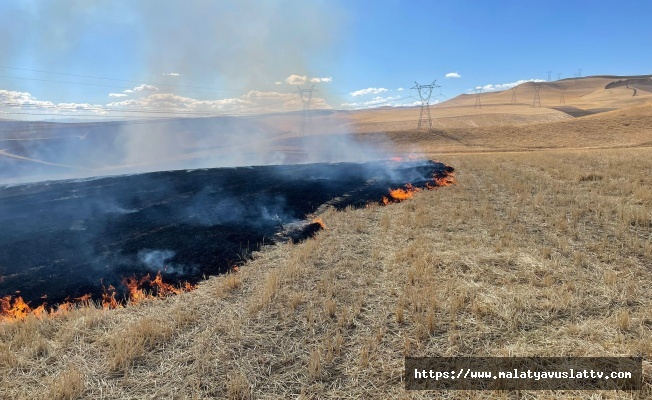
630	127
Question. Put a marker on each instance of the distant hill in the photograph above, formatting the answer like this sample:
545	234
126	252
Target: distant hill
593	92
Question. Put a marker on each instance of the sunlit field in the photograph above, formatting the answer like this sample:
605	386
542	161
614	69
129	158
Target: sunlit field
331	200
539	253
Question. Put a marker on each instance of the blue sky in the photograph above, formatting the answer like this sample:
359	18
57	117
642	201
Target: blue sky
213	57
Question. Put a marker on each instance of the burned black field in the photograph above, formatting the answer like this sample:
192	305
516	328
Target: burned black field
65	239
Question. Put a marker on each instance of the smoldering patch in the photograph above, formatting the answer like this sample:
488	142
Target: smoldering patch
167	229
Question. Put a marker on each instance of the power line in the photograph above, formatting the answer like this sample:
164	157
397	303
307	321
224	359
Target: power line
113	79
478	103
578	75
537	98
425	92
306	99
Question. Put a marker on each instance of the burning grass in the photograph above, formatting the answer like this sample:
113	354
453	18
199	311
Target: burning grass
14	309
446	178
145	287
537	262
173	221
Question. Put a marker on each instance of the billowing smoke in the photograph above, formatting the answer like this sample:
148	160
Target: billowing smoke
246	51
112	148
231	45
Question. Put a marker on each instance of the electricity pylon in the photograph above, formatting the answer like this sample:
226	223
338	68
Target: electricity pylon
306	118
562	99
558	75
514	95
537	98
425	91
549	76
478	103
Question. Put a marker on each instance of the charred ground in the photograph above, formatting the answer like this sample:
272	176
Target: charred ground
69	238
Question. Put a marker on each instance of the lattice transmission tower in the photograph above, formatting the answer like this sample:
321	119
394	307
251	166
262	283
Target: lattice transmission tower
478	92
425	92
562	99
514	95
549	76
306	117
537	98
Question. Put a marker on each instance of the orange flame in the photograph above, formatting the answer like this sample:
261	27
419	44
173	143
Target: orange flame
137	292
447	180
16	309
403	194
320	222
40	311
164	289
134	286
108	298
83	299
398	195
12	310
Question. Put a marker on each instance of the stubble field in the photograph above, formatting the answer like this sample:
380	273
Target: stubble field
538	253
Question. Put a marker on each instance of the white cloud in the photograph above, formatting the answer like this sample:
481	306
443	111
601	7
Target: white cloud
400	89
379	101
8	97
415	103
173	102
78	107
296	79
24	102
278	83
504	86
127	91
366	91
171	74
251	102
317	80
302	79
453	75
145	88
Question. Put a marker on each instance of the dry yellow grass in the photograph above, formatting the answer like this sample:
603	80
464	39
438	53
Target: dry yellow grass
542	253
631	127
497	109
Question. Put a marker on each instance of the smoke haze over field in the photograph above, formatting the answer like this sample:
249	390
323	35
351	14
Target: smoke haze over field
244	45
197	58
83	150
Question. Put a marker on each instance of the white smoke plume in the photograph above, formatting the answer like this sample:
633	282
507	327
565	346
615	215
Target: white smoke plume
243	52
